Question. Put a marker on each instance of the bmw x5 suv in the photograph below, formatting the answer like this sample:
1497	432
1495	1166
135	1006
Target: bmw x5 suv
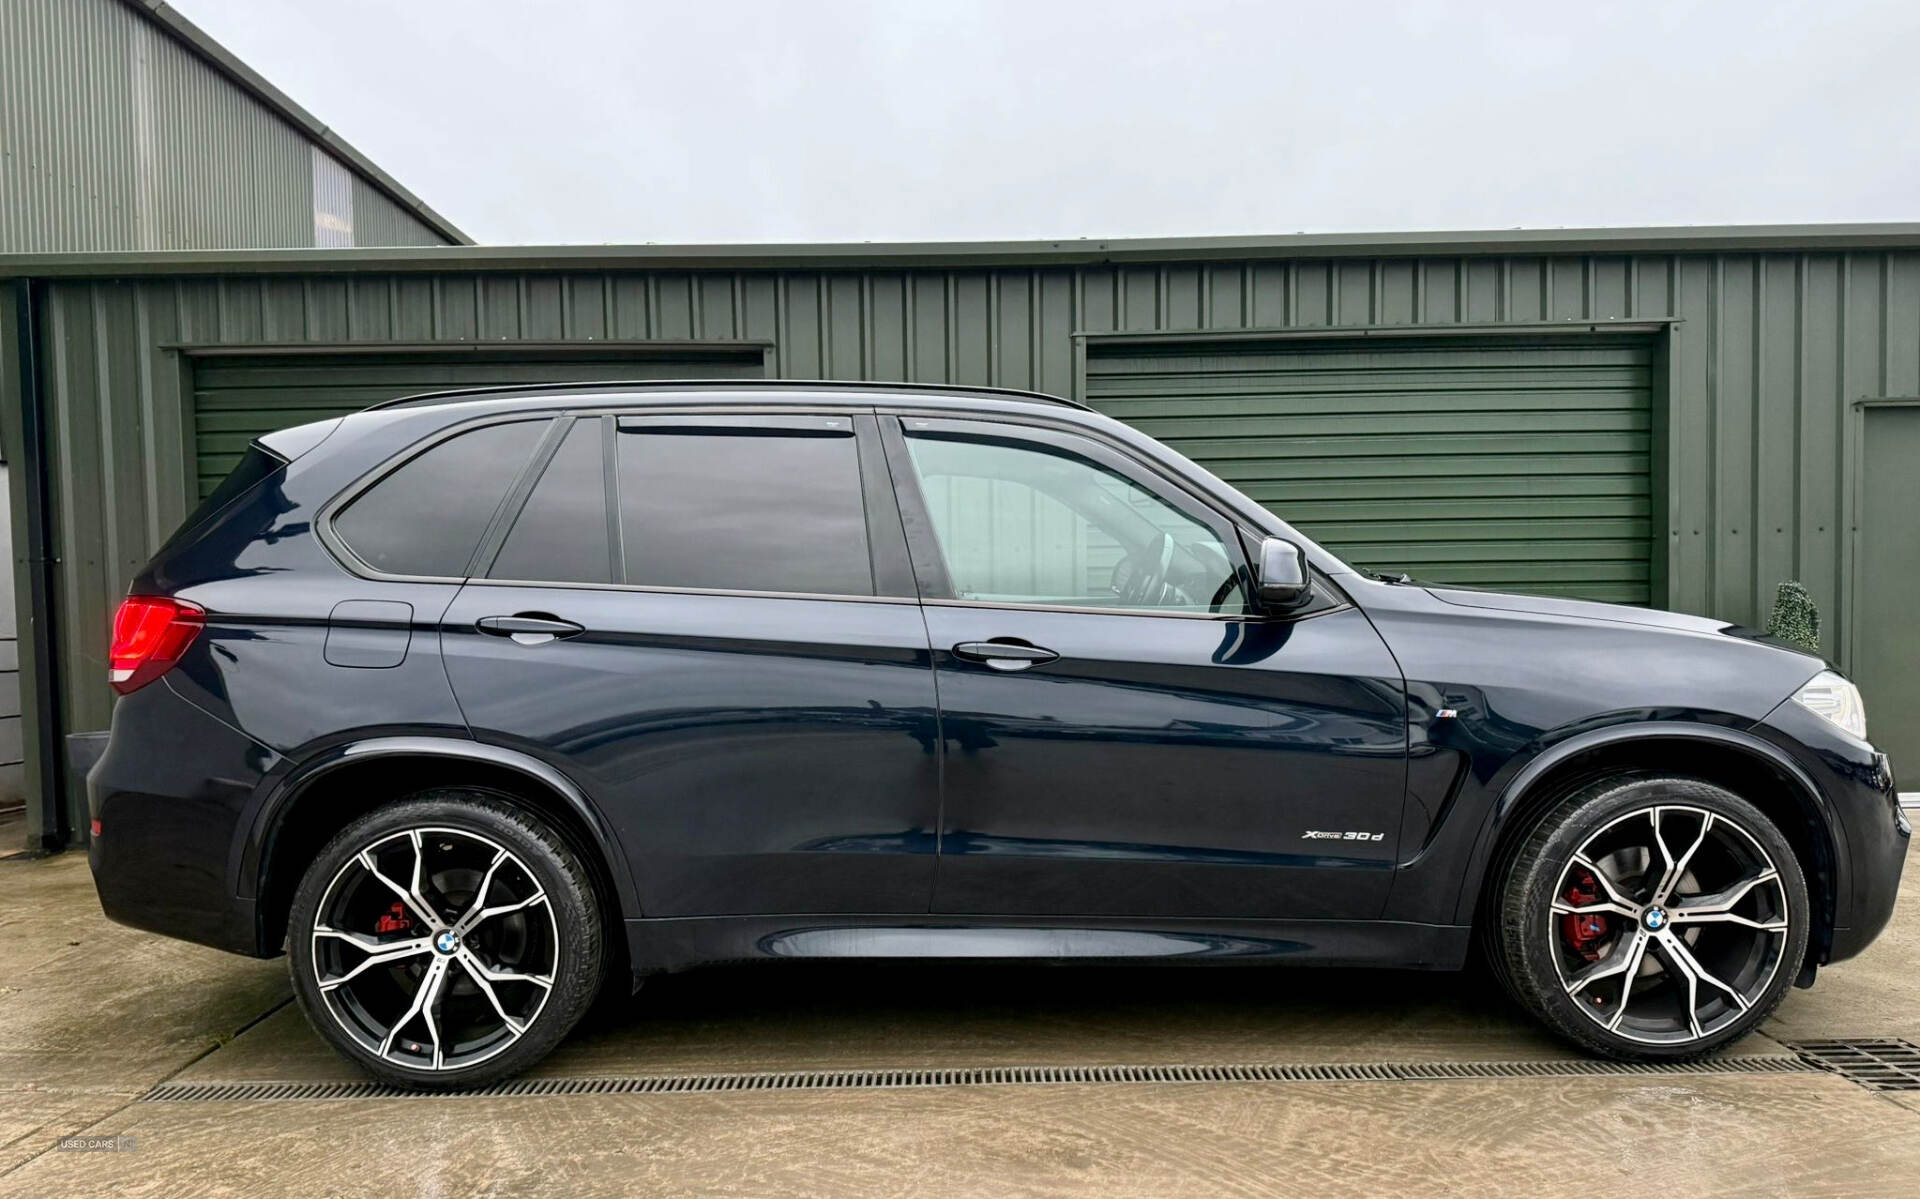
478	702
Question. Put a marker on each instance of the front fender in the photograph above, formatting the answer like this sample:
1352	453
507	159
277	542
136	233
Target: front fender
1515	787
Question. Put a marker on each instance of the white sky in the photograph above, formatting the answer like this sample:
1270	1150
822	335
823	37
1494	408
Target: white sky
535	121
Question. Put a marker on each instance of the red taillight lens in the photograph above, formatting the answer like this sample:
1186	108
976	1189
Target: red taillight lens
149	635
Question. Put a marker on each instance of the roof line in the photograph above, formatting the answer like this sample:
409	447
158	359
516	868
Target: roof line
251	81
977	255
744	385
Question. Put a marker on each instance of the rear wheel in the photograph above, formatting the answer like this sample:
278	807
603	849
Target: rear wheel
446	941
1652	917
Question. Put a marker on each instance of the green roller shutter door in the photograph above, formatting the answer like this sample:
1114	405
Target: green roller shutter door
236	399
1513	464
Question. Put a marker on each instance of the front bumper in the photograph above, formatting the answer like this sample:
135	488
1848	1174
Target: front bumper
1870	832
167	796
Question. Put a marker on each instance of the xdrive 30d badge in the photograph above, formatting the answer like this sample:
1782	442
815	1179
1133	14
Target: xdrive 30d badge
477	702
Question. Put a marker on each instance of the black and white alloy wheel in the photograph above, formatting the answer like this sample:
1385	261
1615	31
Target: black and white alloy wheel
1653	917
445	941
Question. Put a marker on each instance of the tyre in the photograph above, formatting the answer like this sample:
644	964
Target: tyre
446	941
1651	918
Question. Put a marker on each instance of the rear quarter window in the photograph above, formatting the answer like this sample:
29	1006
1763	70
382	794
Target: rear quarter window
426	516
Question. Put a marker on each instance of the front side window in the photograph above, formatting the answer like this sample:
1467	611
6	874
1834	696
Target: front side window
426	517
772	506
1022	522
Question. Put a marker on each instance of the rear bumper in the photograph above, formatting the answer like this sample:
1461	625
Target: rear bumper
1870	832
167	795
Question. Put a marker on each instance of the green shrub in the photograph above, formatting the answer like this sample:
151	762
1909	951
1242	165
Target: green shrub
1796	618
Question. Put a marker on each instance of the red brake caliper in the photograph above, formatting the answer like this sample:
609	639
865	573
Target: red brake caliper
1585	931
394	920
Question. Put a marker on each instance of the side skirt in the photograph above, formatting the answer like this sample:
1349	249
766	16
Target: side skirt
665	945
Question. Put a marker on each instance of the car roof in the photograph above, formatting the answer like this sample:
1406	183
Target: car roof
746	390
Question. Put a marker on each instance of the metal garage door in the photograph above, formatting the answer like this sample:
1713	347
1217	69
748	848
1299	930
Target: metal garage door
1512	464
237	398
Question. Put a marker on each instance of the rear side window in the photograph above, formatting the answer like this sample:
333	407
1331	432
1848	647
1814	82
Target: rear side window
748	507
426	517
561	534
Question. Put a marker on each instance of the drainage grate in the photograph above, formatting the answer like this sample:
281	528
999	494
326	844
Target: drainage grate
1877	1063
983	1076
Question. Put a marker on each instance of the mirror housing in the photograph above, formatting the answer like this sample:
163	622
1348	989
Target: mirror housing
1283	582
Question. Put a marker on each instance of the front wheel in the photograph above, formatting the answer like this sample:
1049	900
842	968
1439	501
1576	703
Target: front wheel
1652	918
446	941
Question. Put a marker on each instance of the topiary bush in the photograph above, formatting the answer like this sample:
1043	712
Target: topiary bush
1796	618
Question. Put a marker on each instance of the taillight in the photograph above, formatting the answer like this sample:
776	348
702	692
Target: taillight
149	635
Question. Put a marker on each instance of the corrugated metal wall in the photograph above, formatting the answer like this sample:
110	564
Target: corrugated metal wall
114	136
66	183
378	221
1767	353
332	201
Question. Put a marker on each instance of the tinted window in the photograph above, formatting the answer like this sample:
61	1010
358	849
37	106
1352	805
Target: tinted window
1022	522
426	518
561	535
255	467
744	509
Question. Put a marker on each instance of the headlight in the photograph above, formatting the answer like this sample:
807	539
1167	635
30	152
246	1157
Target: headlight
1831	697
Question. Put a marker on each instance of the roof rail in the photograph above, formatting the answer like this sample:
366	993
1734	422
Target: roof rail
453	395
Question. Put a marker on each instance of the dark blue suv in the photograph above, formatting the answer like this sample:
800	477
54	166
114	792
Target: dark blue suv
474	701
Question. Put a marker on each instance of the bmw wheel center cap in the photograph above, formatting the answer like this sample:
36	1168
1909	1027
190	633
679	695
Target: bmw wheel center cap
447	941
1655	919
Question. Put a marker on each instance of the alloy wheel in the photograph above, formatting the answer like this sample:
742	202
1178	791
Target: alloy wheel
435	948
1668	924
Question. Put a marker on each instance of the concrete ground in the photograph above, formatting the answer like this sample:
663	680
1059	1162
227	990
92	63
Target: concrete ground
93	1015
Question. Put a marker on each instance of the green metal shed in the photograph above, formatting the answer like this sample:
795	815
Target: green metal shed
1664	416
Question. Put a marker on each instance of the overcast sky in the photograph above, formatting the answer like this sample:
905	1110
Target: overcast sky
535	121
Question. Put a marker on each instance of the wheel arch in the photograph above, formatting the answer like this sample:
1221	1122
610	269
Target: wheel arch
327	792
1759	772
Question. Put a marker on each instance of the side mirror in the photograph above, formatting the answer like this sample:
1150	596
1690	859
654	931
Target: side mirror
1283	582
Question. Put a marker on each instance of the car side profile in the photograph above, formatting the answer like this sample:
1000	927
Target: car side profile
477	702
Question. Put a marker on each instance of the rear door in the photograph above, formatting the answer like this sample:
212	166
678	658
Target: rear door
708	621
1126	735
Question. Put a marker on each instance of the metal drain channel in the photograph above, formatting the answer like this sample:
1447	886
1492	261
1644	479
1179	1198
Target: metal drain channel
1876	1063
983	1076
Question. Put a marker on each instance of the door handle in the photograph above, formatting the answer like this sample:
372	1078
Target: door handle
1004	655
529	628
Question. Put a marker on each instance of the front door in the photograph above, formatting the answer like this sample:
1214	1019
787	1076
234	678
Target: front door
701	620
1125	734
